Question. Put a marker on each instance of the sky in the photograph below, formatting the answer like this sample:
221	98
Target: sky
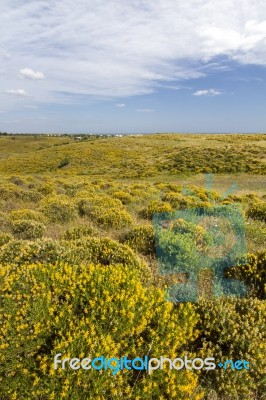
132	66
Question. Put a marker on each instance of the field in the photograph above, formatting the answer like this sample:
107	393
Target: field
81	273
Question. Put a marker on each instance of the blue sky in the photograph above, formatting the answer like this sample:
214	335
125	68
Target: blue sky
132	66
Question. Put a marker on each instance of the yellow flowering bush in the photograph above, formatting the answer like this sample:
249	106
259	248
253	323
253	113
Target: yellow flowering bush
177	200
78	232
58	208
88	311
26	214
4	220
27	229
257	211
124	197
253	273
154	207
105	211
5	238
141	238
21	252
233	329
102	251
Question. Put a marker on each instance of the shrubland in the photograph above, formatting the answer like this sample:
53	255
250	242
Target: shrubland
79	264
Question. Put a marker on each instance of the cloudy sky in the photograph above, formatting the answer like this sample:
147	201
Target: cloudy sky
133	66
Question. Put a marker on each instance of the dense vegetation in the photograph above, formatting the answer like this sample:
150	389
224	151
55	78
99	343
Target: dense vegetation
79	269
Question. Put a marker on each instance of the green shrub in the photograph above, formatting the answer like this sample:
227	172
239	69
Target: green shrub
20	252
27	229
124	197
5	238
105	211
257	211
141	239
58	209
64	162
46	188
87	311
255	232
177	200
253	273
233	329
155	207
26	214
79	232
4	222
88	249
111	218
86	205
180	245
103	251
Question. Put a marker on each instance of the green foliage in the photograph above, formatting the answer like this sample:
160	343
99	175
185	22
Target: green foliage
88	249
4	221
105	211
20	252
5	238
233	329
27	229
64	162
257	211
58	209
253	273
79	232
180	244
255	232
141	239
124	197
26	214
155	207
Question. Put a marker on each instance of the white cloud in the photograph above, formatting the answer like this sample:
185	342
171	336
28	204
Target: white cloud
120	105
126	48
30	74
207	92
145	110
17	92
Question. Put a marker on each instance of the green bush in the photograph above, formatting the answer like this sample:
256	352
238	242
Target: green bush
141	239
253	273
155	207
4	222
124	197
59	209
26	214
79	232
255	232
104	251
105	211
257	211
233	329
20	252
27	229
111	218
177	200
88	249
5	238
181	245
86	205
